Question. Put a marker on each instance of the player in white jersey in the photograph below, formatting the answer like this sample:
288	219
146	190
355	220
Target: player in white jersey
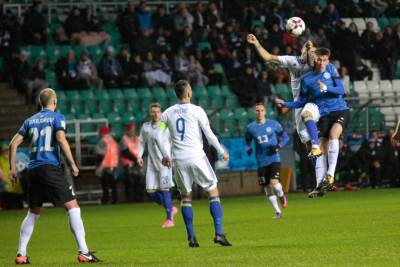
186	123
297	66
158	177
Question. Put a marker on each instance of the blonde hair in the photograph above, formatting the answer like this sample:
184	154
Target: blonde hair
47	96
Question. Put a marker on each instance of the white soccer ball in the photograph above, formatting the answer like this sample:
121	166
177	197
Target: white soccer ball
295	26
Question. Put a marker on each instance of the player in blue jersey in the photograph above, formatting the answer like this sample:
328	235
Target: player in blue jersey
324	88
269	138
45	131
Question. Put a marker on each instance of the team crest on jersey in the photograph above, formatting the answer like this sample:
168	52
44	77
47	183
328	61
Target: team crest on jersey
327	75
269	129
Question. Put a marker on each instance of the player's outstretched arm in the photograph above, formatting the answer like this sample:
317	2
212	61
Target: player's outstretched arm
248	138
264	54
62	140
211	138
17	140
291	105
283	139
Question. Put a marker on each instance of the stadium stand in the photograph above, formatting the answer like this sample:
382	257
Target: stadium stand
214	32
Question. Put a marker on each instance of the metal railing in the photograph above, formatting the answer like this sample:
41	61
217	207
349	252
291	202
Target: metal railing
77	137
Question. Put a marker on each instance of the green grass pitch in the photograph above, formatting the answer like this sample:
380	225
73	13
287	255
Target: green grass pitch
343	229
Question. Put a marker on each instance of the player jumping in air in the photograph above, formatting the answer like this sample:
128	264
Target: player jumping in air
269	138
45	131
158	177
186	122
297	66
324	87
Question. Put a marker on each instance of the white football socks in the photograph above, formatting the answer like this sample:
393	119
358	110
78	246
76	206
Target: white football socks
278	189
26	231
320	168
274	202
76	225
333	153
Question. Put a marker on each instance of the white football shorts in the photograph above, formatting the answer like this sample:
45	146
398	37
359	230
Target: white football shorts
158	179
197	170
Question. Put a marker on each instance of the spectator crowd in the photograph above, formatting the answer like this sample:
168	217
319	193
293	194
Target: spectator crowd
160	46
363	162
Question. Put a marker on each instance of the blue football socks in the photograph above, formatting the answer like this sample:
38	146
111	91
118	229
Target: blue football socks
216	213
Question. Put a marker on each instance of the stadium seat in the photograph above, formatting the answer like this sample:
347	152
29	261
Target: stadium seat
282	90
240	113
376	27
225	91
91	106
119	106
226	114
213	90
383	22
130	94
105	107
231	102
217	102
347	21
127	118
101	95
394	21
360	23
72	95
158	93
203	102
113	117
203	45
200	91
86	95
170	92
115	94
144	92
76	108
63	108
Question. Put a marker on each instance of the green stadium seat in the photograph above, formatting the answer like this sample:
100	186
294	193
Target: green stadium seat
164	103
213	90
115	94
37	52
383	22
230	124
119	106
158	93
226	114
272	114
145	104
78	49
113	117
200	91
86	95
83	116
257	23
141	117
217	102
231	102
225	91
76	108
127	118
394	21
72	95
129	94
133	107
61	97
203	102
101	95
105	107
283	90
203	45
91	106
240	113
63	108
170	92
144	92
63	50
218	68
95	52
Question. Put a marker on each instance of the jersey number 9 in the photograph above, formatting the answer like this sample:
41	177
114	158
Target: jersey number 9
180	127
